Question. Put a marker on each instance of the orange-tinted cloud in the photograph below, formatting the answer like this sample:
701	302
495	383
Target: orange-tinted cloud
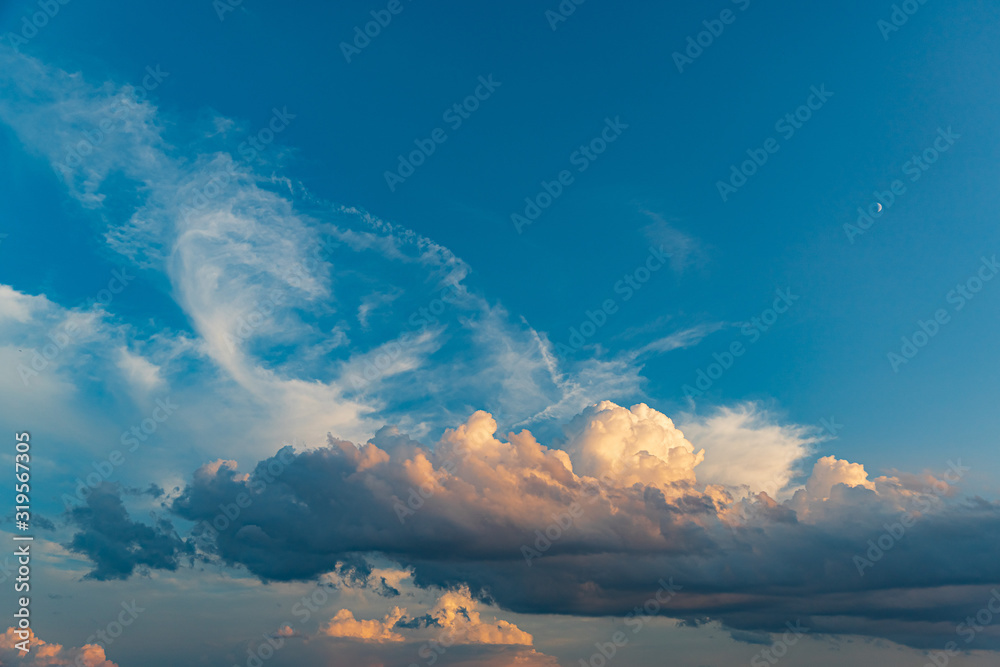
344	625
44	654
591	527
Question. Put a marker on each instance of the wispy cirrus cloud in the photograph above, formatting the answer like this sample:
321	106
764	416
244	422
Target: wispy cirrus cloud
255	263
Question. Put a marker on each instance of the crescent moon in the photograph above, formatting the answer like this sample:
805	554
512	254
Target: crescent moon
879	207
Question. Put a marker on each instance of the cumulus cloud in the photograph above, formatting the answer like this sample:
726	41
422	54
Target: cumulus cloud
457	614
44	654
450	628
344	625
527	525
635	446
830	471
454	619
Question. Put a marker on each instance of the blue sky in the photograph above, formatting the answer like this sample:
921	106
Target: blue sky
258	307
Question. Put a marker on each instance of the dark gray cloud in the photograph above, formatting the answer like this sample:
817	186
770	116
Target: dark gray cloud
515	523
116	544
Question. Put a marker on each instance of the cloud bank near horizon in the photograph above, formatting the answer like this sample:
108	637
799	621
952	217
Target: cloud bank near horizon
589	528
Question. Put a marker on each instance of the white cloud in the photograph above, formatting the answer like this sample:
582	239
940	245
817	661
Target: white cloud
744	445
140	373
679	339
17	306
634	446
830	471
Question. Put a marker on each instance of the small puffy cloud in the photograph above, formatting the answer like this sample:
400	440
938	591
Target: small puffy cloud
44	654
344	625
454	619
211	469
830	471
456	613
141	374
